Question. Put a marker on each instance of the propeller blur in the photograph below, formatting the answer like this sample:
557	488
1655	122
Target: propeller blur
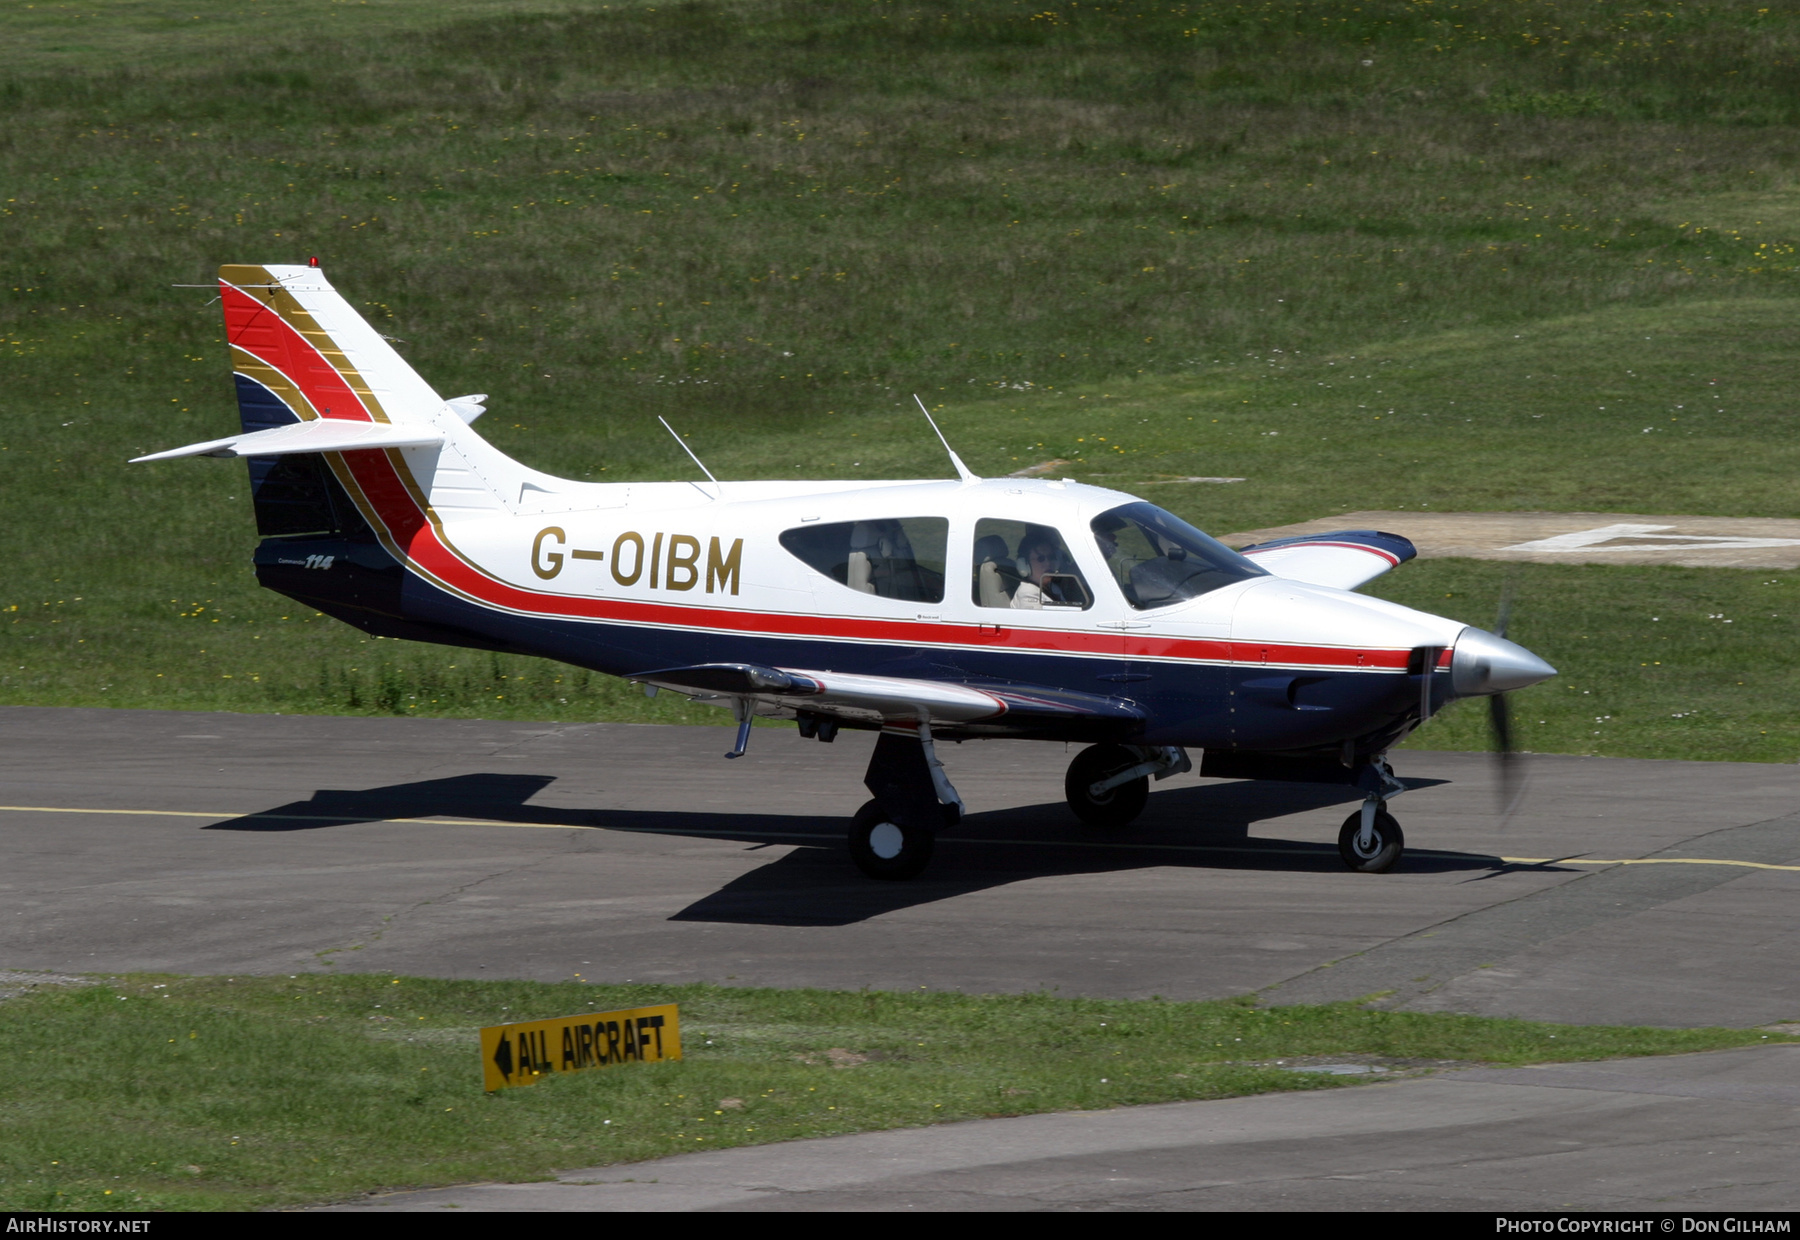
923	610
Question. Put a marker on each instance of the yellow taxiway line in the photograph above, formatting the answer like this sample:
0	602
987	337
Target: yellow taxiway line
813	835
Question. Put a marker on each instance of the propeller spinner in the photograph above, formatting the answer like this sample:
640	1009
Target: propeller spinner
1484	664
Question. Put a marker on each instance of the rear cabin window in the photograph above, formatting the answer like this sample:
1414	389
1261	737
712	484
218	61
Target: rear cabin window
896	557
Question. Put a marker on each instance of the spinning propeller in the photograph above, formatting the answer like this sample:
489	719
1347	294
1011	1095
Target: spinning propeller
1485	664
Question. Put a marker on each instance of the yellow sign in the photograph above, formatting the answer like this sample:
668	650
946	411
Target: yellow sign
525	1053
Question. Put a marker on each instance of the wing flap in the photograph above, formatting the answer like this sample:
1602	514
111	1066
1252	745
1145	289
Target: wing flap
1344	559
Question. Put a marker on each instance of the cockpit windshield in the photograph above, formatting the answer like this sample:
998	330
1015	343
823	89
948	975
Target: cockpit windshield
1159	559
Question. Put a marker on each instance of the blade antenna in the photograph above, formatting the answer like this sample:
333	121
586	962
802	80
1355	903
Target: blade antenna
962	471
690	452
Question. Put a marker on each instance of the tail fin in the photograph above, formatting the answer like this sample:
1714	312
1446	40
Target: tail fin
301	354
300	351
315	381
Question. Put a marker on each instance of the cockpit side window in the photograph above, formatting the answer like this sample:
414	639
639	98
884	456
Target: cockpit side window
895	557
1159	559
1027	567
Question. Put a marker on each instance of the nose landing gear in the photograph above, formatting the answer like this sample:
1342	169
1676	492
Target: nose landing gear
1370	840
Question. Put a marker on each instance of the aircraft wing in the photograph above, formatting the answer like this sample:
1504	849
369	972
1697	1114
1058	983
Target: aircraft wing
883	700
1344	559
322	435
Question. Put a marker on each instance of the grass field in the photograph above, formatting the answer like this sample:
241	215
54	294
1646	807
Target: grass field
1384	254
234	1093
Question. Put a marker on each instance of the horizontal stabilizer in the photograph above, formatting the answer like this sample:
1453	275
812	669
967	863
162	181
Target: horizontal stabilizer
1344	559
323	435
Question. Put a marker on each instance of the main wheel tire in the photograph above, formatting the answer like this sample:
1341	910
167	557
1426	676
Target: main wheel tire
1115	807
885	849
1386	848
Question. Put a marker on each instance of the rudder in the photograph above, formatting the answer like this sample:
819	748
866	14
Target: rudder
310	353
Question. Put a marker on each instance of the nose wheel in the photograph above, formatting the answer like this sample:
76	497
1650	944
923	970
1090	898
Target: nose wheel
1373	848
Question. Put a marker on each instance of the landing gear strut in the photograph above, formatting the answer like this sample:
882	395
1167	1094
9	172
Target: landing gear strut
1370	840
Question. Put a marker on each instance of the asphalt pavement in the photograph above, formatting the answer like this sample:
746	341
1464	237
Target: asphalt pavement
1622	892
212	843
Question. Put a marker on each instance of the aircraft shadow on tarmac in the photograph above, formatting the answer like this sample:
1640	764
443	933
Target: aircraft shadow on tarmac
1205	827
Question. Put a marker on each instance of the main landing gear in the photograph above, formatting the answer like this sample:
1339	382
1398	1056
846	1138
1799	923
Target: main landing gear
883	848
892	836
1107	785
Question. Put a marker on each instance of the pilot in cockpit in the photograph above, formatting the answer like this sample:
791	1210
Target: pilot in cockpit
1041	555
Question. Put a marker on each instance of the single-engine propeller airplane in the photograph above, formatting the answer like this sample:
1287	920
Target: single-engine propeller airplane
1032	609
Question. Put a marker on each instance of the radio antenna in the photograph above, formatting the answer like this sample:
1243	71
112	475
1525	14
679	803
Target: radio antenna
962	471
690	452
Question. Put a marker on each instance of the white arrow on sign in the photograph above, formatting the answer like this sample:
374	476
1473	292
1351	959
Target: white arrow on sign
1647	539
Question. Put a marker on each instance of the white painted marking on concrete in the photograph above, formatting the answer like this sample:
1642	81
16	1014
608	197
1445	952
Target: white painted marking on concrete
1649	539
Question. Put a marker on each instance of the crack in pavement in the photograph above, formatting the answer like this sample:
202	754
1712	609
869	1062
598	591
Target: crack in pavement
425	770
1406	968
387	920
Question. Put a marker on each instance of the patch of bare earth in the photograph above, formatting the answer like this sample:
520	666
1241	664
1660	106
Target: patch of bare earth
12	985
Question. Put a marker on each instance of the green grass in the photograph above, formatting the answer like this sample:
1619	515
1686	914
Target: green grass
164	1092
1188	239
1653	662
